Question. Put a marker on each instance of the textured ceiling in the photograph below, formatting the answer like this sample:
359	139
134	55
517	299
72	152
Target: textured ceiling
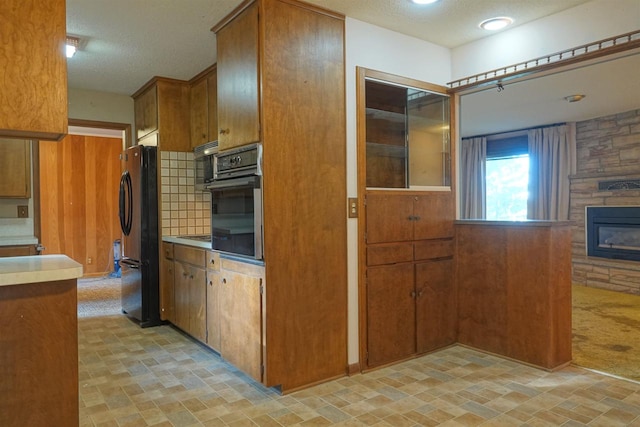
126	42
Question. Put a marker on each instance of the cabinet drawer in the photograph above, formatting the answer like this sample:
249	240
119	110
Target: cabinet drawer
389	254
189	255
430	249
167	250
213	260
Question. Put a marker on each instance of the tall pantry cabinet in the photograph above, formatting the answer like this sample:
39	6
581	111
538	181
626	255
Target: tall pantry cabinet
281	82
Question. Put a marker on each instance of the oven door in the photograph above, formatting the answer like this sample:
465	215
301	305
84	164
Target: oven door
236	216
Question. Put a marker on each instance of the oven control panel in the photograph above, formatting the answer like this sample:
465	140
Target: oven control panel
241	161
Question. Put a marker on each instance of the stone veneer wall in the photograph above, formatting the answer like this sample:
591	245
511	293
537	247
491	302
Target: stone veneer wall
184	211
608	149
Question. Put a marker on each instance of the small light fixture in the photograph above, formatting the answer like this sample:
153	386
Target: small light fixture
424	1
494	24
72	44
575	98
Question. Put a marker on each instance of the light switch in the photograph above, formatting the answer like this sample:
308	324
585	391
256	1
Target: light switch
353	207
23	211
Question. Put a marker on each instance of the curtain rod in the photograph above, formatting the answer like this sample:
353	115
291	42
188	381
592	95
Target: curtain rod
515	130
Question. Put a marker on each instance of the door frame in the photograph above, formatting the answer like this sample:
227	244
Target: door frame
35	154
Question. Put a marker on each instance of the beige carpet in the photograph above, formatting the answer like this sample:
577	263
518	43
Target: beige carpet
99	297
606	331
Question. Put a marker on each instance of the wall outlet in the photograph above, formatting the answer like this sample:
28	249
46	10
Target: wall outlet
23	211
89	260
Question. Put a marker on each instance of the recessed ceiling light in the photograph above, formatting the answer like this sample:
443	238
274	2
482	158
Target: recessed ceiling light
575	98
424	1
494	24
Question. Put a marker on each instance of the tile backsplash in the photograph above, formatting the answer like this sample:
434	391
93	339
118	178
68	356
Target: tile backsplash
183	210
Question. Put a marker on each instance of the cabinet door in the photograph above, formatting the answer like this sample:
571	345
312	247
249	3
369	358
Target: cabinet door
389	218
198	303
238	96
167	291
146	112
213	309
199	113
240	323
390	313
435	305
15	168
181	296
434	215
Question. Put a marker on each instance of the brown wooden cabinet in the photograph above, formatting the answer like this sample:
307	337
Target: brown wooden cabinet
410	294
18	250
241	311
287	90
15	168
203	107
33	88
167	283
162	114
238	80
510	302
190	287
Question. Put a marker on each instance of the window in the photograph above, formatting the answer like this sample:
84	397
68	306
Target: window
507	178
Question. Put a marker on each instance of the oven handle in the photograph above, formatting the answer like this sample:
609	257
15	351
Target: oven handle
245	181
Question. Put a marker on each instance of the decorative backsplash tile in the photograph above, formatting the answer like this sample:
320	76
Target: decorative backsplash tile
183	210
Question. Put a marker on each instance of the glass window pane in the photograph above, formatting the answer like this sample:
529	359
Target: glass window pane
507	183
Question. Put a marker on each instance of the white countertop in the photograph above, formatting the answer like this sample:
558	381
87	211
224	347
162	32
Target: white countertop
18	240
38	268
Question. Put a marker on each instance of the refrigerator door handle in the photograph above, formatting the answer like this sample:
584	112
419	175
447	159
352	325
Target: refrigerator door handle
126	203
130	264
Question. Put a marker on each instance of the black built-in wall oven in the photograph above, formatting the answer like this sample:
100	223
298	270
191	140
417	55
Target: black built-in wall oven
236	202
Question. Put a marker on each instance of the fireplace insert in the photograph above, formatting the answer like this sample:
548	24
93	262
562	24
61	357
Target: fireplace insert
613	232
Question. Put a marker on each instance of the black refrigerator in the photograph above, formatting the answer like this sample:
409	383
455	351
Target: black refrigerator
138	212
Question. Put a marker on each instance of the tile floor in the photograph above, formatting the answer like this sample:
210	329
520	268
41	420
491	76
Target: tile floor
159	377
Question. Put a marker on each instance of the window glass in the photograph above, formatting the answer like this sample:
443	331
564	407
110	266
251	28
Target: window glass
507	181
407	137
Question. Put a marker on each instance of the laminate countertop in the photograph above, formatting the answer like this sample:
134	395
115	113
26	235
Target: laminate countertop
38	268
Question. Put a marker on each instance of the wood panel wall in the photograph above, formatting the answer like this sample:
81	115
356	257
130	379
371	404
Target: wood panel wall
79	181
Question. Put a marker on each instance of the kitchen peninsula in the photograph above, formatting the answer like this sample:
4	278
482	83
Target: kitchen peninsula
39	341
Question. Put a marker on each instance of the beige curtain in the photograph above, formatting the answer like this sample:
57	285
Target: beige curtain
551	161
473	157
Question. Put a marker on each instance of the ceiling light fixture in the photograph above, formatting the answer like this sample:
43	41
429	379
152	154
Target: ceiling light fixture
72	44
494	24
575	98
424	1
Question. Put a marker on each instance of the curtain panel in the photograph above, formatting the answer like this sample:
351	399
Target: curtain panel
473	157
552	153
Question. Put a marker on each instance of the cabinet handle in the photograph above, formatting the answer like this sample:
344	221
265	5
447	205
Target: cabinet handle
413	294
416	218
224	131
184	274
210	283
213	261
224	280
191	276
170	271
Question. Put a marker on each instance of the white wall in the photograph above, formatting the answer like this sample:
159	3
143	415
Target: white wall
586	23
101	106
382	50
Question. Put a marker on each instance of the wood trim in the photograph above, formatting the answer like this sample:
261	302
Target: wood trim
202	74
155	80
125	127
230	17
405	81
362	220
35	188
354	369
315	8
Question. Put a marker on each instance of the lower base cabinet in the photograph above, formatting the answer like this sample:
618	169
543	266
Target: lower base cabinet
217	301
411	303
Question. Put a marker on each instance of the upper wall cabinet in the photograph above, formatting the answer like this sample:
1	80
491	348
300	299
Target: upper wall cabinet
15	168
33	74
203	106
162	114
407	136
238	95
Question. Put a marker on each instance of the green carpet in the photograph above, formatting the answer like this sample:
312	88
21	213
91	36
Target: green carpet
606	331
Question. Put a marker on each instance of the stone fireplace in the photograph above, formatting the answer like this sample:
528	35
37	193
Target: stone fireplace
607	175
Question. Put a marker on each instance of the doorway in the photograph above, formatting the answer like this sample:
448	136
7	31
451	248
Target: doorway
78	194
